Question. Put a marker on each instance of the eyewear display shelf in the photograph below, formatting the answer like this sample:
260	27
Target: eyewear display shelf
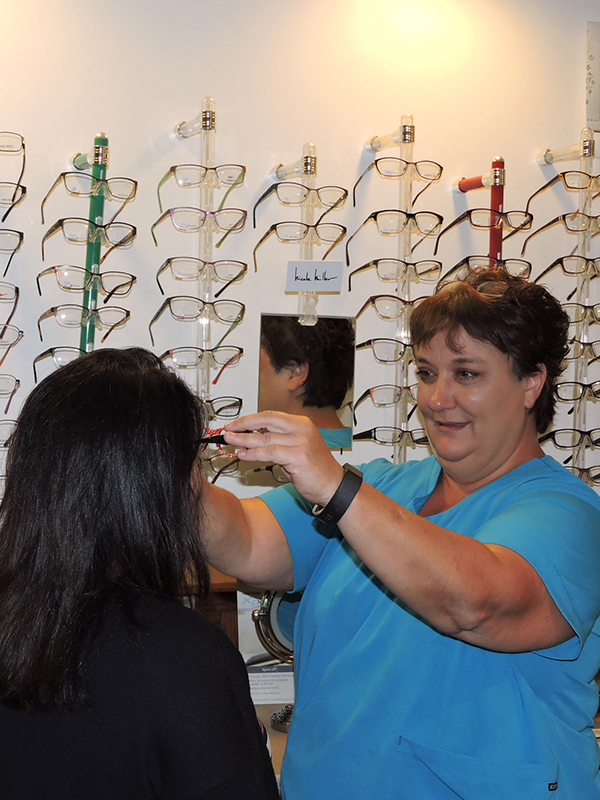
402	225
221	604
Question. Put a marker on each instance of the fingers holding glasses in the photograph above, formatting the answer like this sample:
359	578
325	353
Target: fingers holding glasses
293	443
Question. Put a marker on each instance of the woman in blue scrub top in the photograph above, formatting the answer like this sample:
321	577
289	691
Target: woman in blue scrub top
448	638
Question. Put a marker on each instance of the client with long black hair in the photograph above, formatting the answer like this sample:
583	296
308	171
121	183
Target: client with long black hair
109	686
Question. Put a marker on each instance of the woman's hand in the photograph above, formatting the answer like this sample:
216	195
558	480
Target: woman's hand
292	442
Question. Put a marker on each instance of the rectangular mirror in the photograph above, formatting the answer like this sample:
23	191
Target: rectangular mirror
309	370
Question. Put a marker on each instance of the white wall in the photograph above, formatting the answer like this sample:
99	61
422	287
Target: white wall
481	78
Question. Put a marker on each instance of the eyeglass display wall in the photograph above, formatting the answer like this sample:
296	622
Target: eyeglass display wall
282	75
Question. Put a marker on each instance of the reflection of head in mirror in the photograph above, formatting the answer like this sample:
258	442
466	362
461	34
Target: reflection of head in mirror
306	369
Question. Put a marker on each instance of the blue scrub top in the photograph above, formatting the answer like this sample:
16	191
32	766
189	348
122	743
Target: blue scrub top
387	707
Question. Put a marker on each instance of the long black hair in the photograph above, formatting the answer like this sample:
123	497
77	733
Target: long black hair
98	500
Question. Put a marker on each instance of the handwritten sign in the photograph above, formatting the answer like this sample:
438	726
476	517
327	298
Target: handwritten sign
314	276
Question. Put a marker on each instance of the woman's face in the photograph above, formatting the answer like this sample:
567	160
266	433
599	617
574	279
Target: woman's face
475	410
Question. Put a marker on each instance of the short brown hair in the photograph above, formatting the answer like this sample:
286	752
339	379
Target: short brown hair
519	318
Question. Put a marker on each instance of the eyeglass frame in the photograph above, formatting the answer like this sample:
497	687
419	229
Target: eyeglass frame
15	301
207	215
503	215
273	229
463	264
411	216
172	171
95	188
205	304
92	314
92	276
402	390
51	352
18	338
404	304
126	241
169	262
586	471
14	203
371	435
407	268
563	218
584	438
15	152
275	186
16	249
561	177
371	342
212	414
413	164
13	391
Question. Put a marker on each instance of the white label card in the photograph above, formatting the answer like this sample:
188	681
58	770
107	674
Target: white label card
314	276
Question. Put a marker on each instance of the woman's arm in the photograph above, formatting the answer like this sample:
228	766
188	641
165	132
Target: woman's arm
243	539
480	593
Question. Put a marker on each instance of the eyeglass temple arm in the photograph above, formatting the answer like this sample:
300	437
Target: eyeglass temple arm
45	315
232	327
364	435
240	274
12	313
129	282
535	233
14	203
339	202
237	182
12	255
364	306
233	358
360	227
125	242
48	271
12	394
543	188
225	469
360	269
162	217
37	359
120	209
360	400
156	317
235	229
163	180
548	269
50	232
448	227
116	325
272	188
335	244
370	166
261	241
52	188
20	178
424	189
163	268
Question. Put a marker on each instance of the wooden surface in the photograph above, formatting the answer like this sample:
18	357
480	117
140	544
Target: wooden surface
220	582
220	606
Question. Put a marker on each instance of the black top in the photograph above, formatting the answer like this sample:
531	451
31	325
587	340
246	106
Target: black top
170	719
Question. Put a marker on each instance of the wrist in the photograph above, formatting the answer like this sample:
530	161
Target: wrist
342	498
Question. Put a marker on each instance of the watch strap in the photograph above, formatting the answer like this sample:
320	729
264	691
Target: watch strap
343	496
